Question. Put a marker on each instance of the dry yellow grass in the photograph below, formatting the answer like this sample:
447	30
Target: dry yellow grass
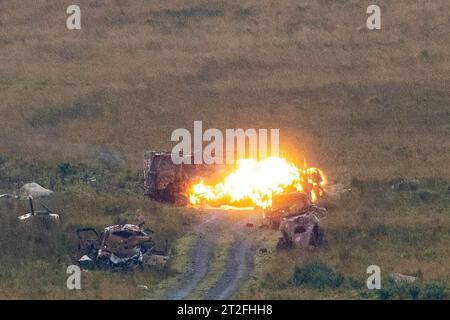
356	103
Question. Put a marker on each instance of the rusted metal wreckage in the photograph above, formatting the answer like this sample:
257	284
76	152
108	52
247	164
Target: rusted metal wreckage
163	180
166	181
297	219
119	247
301	229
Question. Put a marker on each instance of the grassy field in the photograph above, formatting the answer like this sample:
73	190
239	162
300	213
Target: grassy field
34	256
365	106
401	231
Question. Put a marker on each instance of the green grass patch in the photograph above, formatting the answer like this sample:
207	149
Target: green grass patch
432	290
317	276
35	255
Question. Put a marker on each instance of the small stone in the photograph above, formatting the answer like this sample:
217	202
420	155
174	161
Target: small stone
399	278
141	286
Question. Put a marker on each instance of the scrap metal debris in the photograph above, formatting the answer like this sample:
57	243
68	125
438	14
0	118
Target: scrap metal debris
119	246
283	205
86	263
302	229
297	220
29	192
45	213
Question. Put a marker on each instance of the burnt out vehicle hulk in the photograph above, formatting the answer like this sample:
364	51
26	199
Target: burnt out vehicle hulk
283	205
169	182
119	247
297	219
301	229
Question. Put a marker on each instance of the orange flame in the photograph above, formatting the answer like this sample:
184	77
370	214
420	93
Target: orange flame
254	182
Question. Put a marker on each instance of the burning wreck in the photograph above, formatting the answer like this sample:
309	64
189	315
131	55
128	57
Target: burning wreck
165	181
119	247
249	183
285	193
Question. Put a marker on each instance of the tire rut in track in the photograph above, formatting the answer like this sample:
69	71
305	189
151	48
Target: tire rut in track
238	264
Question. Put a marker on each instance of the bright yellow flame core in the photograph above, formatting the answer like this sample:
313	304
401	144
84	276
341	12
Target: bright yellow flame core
257	181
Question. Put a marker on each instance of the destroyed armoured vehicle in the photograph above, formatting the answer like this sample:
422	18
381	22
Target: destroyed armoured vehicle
296	218
285	204
166	181
119	246
301	229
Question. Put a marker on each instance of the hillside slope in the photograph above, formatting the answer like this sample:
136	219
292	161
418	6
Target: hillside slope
368	107
355	102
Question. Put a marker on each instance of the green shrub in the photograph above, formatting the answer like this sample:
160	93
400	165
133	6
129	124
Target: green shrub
65	169
425	56
434	291
411	291
317	275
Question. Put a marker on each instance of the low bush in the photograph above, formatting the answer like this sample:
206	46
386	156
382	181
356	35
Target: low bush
412	291
318	276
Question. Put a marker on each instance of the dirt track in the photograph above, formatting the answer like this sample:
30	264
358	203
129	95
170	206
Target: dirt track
215	225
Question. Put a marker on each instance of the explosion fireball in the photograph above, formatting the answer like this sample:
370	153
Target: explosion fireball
255	182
